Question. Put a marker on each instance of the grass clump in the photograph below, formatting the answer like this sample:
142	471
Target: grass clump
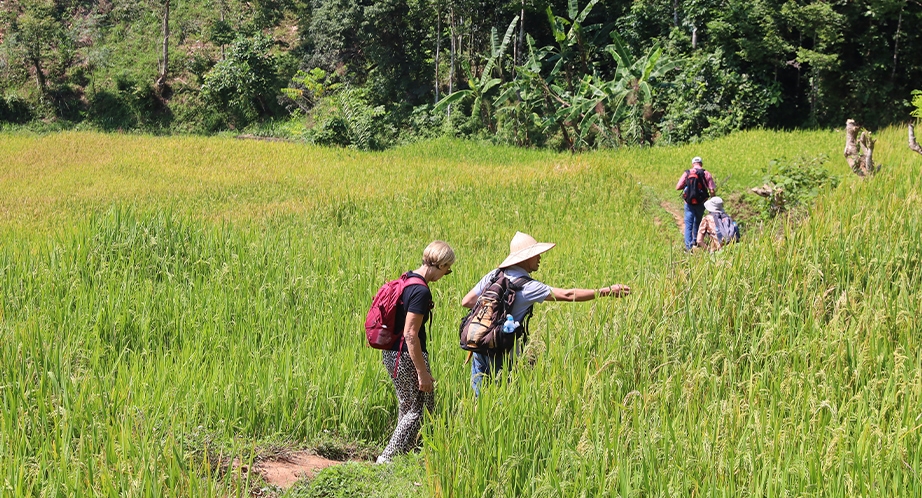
404	477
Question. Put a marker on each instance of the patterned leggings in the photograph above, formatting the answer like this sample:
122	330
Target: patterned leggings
411	401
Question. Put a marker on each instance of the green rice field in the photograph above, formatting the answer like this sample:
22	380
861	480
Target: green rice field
172	304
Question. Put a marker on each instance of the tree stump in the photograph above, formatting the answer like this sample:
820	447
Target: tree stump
913	145
861	163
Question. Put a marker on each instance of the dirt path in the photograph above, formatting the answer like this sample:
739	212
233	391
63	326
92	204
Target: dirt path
678	215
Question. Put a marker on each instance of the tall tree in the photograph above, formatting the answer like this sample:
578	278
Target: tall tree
34	32
165	53
819	30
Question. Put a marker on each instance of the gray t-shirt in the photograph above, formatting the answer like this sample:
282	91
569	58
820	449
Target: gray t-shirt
533	291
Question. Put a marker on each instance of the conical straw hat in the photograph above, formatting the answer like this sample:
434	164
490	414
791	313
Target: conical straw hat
522	247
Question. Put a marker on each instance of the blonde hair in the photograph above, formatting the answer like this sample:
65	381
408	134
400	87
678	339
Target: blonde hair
438	253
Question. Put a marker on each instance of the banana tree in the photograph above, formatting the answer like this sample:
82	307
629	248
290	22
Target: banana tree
524	104
586	108
633	88
547	104
577	43
614	111
480	87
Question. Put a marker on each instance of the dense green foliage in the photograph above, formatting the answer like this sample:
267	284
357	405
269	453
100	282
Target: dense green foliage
795	183
171	303
917	103
245	83
568	74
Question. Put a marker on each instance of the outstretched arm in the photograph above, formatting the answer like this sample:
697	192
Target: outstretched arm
575	295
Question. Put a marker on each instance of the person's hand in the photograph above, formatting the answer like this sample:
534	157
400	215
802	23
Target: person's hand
426	382
618	290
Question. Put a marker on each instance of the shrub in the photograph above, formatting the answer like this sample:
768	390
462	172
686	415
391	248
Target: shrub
794	183
708	99
132	104
348	120
422	123
245	84
14	109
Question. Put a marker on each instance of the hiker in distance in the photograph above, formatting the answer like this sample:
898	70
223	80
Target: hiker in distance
491	295
696	185
717	228
407	361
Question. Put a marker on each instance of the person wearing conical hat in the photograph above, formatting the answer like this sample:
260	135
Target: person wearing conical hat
523	260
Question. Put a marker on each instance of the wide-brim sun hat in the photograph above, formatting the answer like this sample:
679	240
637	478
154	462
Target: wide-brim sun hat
523	247
714	204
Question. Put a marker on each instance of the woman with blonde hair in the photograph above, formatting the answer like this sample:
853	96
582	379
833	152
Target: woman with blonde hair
408	361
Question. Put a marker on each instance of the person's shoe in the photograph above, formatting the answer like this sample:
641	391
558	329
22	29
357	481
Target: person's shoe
382	459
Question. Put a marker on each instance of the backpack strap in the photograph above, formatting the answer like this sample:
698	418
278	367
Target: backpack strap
526	320
406	280
718	232
729	236
519	284
495	277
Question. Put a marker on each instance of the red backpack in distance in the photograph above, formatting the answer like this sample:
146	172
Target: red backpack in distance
379	323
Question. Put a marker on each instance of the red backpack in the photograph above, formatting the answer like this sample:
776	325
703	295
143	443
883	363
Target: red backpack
696	190
379	323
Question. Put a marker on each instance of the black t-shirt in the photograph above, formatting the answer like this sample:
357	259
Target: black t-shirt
415	299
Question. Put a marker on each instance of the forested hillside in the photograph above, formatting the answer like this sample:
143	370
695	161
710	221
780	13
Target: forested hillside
369	73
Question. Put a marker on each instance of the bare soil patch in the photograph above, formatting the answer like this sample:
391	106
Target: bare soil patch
283	470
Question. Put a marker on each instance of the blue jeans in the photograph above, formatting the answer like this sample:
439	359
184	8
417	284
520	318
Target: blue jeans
693	216
484	365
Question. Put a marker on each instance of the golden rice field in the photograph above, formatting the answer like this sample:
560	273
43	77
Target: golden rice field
170	304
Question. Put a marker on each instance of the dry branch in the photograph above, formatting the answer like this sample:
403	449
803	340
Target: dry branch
774	193
913	145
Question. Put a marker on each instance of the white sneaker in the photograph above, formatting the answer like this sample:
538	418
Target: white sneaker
382	459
